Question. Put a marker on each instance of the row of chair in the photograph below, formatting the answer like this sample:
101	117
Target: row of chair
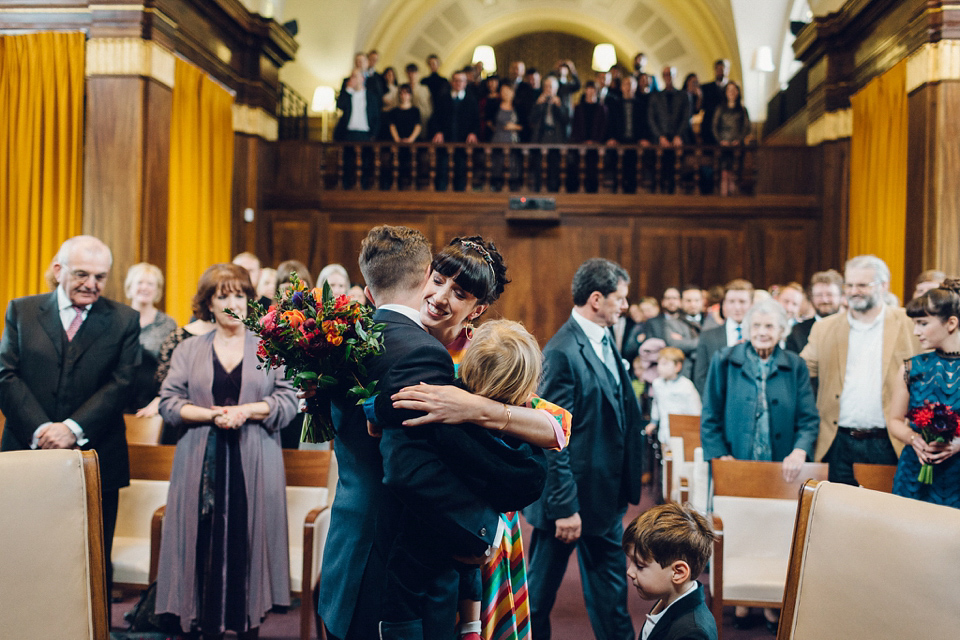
311	482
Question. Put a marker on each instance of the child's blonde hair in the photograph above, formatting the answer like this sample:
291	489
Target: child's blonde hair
672	354
503	362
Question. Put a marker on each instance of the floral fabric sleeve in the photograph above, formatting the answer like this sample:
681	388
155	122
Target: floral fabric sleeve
562	418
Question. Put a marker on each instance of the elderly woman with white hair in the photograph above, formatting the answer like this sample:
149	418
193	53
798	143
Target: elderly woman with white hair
758	403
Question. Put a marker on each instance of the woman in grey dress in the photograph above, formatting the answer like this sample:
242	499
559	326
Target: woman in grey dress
224	557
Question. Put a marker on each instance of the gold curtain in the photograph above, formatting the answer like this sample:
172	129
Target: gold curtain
878	172
41	154
201	176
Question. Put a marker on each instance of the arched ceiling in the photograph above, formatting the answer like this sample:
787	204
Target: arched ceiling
689	34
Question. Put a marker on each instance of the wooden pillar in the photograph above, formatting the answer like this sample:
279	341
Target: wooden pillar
933	202
127	151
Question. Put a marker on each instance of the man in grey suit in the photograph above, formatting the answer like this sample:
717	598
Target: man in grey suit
66	360
590	482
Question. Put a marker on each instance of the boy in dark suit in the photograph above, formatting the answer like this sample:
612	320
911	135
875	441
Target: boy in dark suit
667	547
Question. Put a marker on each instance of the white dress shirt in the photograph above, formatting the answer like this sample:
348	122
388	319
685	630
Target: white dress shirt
861	401
654	618
594	333
404	310
358	112
731	327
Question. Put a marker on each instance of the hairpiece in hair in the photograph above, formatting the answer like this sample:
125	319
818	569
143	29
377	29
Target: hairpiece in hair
951	284
479	248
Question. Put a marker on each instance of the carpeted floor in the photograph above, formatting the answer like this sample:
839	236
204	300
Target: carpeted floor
569	618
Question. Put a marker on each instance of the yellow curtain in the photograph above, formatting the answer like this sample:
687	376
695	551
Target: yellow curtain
41	155
201	175
878	172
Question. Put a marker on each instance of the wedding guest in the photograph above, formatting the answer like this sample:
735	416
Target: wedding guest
929	279
404	123
143	287
731	127
337	277
267	287
224	562
929	377
759	405
288	267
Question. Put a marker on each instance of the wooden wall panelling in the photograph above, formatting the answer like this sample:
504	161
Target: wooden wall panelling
781	251
113	185
296	235
247	236
947	225
675	253
788	169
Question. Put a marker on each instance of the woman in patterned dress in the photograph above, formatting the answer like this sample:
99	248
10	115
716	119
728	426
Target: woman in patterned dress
933	376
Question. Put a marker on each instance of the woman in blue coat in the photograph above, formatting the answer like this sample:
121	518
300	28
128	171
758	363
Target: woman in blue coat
759	404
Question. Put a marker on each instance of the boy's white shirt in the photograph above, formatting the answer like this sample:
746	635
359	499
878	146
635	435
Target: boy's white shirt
677	396
653	619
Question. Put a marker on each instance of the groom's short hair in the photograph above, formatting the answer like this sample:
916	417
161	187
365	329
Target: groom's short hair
394	258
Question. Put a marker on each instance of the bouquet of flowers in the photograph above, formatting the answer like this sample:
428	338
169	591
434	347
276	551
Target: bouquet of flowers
935	422
322	341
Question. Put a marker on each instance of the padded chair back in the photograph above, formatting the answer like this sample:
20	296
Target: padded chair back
308	521
878	477
866	564
51	555
143	430
134	553
755	509
687	428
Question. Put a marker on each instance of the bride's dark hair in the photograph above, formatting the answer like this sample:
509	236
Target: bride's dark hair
475	265
942	302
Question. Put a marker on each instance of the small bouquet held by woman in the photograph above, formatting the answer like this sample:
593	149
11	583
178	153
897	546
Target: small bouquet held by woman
936	423
322	341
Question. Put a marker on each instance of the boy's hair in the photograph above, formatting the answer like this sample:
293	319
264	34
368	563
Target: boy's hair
394	258
503	362
670	532
672	354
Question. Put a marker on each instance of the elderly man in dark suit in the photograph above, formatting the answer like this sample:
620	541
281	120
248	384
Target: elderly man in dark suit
66	361
590	482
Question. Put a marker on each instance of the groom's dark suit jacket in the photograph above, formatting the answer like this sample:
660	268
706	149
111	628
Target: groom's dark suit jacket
364	512
45	378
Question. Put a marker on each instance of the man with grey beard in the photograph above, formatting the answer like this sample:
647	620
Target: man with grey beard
855	357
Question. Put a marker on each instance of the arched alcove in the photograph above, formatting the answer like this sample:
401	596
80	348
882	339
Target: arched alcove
542	50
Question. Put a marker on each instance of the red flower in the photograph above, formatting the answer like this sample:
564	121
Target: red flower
922	417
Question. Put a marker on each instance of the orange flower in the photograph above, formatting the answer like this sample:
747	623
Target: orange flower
317	294
293	317
335	340
331	328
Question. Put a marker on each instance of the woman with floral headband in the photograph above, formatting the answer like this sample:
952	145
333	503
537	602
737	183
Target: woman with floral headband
931	377
466	277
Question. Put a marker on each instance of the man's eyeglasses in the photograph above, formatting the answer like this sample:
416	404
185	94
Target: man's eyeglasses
859	286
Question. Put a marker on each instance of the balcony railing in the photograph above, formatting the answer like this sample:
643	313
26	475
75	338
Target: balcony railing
563	168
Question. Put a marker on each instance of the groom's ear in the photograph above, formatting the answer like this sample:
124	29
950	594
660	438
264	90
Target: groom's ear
369	294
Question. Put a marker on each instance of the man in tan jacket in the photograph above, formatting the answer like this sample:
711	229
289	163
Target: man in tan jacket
855	357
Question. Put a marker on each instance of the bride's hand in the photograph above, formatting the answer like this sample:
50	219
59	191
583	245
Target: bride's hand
446	404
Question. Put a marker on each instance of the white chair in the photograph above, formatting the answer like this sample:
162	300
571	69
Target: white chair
138	512
867	564
309	473
685	473
754	509
53	581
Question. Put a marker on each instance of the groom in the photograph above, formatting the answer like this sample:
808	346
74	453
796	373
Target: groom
395	262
